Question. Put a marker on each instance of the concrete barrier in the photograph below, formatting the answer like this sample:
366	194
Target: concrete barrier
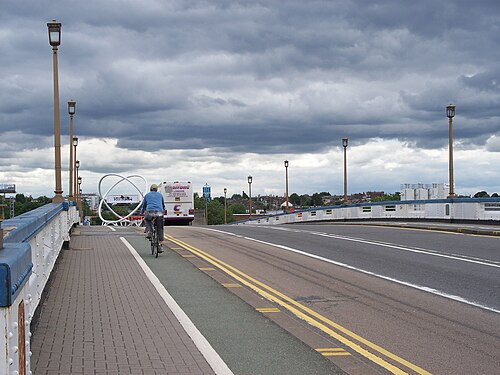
450	210
31	245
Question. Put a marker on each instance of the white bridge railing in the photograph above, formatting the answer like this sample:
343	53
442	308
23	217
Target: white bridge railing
461	209
31	245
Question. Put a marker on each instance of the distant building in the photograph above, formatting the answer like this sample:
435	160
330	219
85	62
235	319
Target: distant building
411	192
92	200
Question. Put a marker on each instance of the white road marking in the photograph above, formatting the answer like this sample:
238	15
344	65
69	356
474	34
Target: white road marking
411	285
212	357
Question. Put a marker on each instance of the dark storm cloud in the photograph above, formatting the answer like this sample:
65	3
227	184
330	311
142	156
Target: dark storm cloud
260	76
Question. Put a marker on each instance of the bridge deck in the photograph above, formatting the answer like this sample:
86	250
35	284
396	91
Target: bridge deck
102	315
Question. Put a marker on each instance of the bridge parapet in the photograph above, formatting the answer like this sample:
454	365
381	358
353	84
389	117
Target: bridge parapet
31	245
461	209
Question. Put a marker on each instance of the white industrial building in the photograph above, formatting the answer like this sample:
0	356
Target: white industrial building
411	192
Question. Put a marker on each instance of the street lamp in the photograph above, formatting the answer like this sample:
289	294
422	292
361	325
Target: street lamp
225	206
77	166
344	144
71	111
80	198
286	185
450	113
54	28
250	195
75	143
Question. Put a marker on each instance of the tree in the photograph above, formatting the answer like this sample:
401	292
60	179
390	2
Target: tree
237	208
481	194
317	200
494	195
294	199
387	198
305	200
199	202
215	213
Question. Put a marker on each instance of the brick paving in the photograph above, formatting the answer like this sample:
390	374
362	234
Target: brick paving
101	315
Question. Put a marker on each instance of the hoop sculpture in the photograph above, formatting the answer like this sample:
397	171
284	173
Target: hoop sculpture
103	197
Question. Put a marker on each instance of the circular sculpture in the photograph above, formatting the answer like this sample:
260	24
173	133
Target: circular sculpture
103	197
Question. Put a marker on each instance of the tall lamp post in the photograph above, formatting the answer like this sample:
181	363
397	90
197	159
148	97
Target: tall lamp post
54	28
80	198
450	113
344	144
225	206
76	164
71	111
250	195
286	185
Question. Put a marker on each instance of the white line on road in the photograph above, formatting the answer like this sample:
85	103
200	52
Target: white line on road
483	262
415	286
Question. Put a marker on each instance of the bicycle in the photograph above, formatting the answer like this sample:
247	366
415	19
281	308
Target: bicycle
155	242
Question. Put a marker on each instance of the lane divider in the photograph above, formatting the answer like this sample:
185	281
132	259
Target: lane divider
371	351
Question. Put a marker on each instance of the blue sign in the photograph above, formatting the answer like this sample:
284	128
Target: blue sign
206	193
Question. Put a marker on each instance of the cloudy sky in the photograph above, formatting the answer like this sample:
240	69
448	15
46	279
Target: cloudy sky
214	91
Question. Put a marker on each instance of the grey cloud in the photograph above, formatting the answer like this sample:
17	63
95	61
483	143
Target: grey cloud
202	74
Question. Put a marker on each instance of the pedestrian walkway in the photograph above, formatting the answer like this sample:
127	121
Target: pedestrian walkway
101	315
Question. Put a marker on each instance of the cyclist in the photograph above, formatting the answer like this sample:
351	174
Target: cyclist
153	206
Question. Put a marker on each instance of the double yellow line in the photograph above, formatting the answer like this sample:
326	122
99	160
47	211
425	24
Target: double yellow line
366	348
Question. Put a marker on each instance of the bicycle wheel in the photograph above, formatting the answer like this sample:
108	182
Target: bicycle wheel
157	246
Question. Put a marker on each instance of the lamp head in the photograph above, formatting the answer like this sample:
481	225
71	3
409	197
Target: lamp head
75	141
345	141
77	164
286	163
54	33
249	179
450	111
71	107
225	190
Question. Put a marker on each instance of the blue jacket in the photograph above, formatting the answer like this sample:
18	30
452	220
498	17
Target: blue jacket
153	201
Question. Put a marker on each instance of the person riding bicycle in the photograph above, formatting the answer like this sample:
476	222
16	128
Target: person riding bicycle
153	206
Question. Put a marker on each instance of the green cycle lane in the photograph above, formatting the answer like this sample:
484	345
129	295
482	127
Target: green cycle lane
245	339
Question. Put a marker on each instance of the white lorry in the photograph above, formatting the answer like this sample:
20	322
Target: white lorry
179	202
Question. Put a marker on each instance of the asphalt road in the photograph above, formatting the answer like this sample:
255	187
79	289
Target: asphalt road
459	266
424	301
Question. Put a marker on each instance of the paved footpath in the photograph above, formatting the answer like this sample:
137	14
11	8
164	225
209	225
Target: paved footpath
101	315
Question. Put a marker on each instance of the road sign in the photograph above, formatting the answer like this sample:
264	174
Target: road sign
8	188
206	193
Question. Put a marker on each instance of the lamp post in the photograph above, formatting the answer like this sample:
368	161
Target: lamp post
250	195
75	143
225	206
71	111
54	28
286	185
77	166
344	144
450	113
80	198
